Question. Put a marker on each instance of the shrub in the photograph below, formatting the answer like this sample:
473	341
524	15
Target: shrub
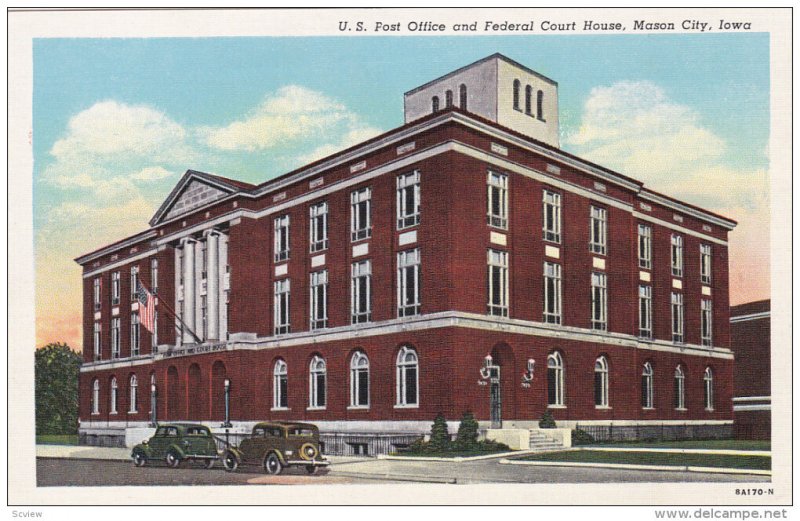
440	437
467	436
581	437
547	421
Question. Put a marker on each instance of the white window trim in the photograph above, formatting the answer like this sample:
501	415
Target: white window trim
498	260
599	306
559	382
280	370
498	182
676	255
134	283
605	381
679	380
676	306
598	237
318	211
708	389
313	386
645	242
318	283
281	235
707	315
133	394
558	311
360	231
647	372
115	288
648	298
113	397
359	270
705	264
95	397
354	383
408	259
551	199
401	382
282	287
408	181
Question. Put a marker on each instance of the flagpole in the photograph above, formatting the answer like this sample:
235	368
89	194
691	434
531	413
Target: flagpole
174	314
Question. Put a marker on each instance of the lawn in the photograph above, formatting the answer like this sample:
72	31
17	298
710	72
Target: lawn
657	458
57	439
693	444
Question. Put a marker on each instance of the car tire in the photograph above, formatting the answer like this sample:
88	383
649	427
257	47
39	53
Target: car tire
173	459
311	469
139	459
272	464
230	461
209	463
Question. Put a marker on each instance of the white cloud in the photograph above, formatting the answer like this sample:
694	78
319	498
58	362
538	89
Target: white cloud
151	173
290	114
349	139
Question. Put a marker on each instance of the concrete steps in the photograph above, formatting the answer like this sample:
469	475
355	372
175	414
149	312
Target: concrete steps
542	443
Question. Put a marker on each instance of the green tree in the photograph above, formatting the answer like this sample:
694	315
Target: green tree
440	437
467	436
56	374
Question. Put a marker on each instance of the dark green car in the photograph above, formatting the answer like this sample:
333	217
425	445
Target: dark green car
277	445
175	443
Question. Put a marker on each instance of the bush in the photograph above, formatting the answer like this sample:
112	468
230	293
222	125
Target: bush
581	437
467	436
440	437
547	421
56	371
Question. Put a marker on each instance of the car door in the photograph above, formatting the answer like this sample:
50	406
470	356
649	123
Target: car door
158	443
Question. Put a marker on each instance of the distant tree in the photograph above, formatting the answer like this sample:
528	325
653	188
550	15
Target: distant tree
56	374
440	437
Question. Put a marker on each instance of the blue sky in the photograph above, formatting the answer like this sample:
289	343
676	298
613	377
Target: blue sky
690	111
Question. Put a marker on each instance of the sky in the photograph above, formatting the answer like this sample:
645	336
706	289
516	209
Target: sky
116	122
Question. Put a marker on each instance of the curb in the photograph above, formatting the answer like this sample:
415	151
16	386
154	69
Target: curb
723	452
87	458
396	477
458	459
628	466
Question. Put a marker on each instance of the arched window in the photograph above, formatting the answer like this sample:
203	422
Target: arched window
280	381
528	100
435	104
133	388
601	382
516	95
540	105
407	377
318	373
647	386
555	379
448	99
359	380
680	403
113	405
96	396
708	386
462	97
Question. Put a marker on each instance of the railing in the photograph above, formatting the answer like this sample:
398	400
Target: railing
608	433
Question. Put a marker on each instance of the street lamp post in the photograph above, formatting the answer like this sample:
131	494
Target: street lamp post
153	404
227	404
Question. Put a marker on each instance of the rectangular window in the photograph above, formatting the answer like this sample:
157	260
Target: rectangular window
497	212
498	283
97	286
597	230
97	345
599	302
705	264
204	317
319	299
677	256
154	276
677	317
115	339
706	332
551	226
646	311
318	228
115	288
360	292
281	238
408	299
203	261
408	200
281	315
645	246
135	334
360	219
552	293
134	283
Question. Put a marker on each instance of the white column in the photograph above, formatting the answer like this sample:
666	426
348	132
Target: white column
198	288
188	290
178	263
223	262
212	288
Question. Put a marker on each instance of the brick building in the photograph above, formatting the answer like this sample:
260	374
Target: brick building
462	261
750	341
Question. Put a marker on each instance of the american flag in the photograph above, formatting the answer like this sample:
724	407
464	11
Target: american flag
147	308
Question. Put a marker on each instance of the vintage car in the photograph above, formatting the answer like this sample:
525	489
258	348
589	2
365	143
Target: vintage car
276	445
175	443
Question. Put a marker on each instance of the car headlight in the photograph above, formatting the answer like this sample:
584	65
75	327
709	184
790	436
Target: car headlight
289	452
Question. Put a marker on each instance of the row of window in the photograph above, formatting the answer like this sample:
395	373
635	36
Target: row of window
116	287
497	216
498	284
517	86
448	99
555	384
113	405
408	214
116	323
408	293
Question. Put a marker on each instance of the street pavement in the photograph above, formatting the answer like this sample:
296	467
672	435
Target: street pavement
96	466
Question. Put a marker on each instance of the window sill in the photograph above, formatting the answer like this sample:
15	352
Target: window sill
405	228
354	241
603	407
681	409
556	406
503	228
316	408
133	412
94	414
709	410
358	408
413	406
113	413
280	409
648	408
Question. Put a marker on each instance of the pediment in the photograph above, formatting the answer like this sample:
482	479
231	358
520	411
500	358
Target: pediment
193	191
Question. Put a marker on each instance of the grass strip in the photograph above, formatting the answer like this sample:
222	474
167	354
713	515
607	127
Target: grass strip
693	444
657	458
57	439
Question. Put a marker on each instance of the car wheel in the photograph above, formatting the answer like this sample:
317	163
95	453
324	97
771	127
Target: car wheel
209	463
230	461
139	459
272	464
173	460
311	469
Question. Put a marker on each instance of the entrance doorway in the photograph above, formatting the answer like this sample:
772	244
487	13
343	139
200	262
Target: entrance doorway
495	398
